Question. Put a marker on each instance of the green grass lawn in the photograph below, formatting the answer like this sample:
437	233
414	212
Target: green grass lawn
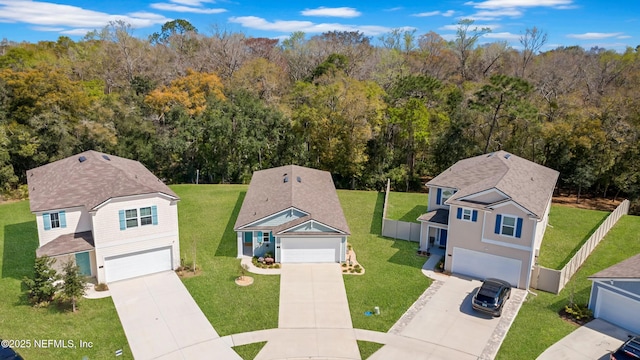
538	325
407	206
95	321
569	229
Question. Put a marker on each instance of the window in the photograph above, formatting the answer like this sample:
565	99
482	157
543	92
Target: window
466	214
266	237
145	216
443	195
131	217
54	220
508	225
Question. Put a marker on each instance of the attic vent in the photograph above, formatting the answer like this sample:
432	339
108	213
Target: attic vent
106	157
286	179
82	159
299	179
507	156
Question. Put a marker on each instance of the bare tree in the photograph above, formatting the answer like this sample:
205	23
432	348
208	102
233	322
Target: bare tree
466	39
532	40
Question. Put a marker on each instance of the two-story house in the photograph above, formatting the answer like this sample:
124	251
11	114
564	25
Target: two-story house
490	213
110	215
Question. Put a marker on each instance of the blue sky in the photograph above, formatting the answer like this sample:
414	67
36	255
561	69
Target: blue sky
587	23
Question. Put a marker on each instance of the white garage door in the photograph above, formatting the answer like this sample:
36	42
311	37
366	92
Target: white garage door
309	250
482	265
137	264
618	309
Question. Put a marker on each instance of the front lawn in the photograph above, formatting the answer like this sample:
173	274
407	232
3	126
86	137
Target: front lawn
538	325
569	228
406	206
96	321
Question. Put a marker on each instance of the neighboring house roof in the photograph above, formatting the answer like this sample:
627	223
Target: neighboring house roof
627	269
67	244
528	184
99	177
439	216
309	190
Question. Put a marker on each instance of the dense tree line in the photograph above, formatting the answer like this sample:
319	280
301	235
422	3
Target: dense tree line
403	106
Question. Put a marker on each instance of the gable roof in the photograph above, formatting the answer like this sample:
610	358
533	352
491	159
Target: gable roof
528	184
627	269
309	190
99	177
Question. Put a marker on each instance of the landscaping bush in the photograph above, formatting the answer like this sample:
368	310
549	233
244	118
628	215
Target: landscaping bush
580	313
101	287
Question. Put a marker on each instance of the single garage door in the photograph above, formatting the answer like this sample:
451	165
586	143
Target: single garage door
482	265
137	264
310	250
618	309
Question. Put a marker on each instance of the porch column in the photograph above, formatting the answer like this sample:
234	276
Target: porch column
239	239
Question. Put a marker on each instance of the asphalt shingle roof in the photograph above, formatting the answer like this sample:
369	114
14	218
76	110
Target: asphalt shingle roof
308	190
627	269
69	182
67	244
528	184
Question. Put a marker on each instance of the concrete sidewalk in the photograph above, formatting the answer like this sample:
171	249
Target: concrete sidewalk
162	321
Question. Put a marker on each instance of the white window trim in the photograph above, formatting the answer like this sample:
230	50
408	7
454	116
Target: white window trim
150	216
127	218
444	199
515	225
51	220
470	214
266	237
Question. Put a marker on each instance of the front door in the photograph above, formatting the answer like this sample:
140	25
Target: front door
84	263
443	237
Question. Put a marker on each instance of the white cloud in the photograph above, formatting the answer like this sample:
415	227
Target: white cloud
501	4
624	37
288	26
502	36
490	15
447	13
192	2
594	36
454	27
341	12
185	9
395	8
46	14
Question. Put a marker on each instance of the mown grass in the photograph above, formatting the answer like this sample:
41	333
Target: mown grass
569	229
367	348
407	206
249	351
392	279
538	325
96	321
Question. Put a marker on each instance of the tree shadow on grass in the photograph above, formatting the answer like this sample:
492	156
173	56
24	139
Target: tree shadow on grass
414	213
20	244
376	222
228	246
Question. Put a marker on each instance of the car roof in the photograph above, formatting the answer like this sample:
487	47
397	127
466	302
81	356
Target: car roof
497	282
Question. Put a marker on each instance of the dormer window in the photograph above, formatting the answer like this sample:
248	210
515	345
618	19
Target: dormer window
443	195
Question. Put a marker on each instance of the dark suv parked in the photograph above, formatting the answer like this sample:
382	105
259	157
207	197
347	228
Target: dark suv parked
630	350
491	296
7	353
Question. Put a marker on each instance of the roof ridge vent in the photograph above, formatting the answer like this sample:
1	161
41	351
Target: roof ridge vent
82	159
106	157
507	156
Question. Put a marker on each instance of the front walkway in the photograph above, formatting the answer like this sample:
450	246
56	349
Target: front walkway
162	321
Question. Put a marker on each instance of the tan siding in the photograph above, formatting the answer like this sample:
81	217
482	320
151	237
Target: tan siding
488	198
511	210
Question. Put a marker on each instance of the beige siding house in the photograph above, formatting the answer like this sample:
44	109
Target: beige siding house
109	215
292	213
489	212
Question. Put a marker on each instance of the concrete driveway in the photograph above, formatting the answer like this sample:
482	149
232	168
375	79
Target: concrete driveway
448	328
162	321
595	340
314	319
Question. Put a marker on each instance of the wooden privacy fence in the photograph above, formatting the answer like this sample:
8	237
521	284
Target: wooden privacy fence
398	229
554	280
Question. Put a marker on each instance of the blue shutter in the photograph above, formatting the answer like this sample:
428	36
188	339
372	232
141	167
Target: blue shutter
271	237
46	219
63	219
259	237
459	215
123	222
439	196
474	216
519	228
154	215
498	223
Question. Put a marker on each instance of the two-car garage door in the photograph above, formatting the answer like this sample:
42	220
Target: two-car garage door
308	250
618	309
482	265
137	264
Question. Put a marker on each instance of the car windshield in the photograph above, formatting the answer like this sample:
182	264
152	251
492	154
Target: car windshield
633	348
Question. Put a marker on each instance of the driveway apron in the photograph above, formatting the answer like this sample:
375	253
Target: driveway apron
162	321
314	315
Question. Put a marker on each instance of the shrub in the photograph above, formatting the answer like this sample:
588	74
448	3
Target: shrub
277	266
42	287
101	287
358	270
356	266
344	264
580	313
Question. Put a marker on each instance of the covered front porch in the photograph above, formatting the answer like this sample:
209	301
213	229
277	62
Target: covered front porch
434	229
77	247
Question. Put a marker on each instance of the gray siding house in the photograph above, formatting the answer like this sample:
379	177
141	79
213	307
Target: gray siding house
615	294
489	212
294	213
